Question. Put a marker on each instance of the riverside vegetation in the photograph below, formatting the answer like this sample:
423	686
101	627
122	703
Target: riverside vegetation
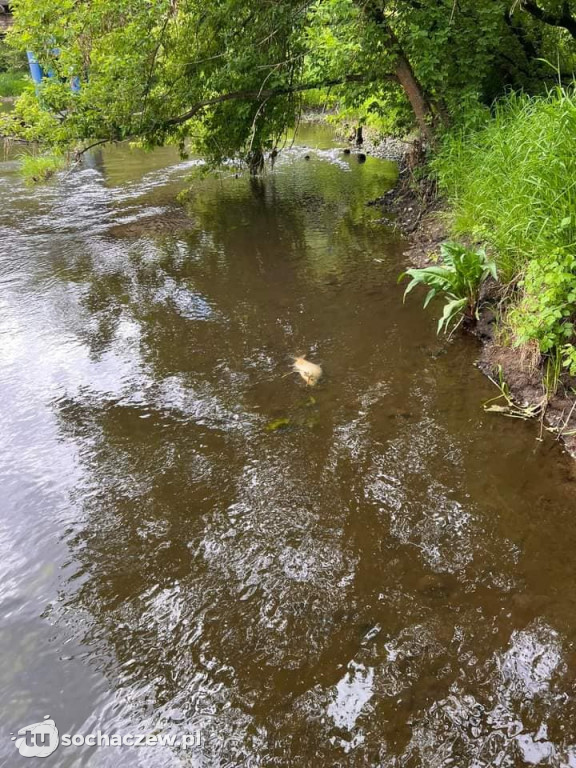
40	167
12	84
510	183
232	78
458	279
508	177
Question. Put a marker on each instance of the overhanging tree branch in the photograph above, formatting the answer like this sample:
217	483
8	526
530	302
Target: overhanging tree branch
264	94
563	19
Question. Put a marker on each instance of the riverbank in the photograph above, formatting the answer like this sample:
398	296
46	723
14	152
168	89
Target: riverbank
498	185
423	217
383	147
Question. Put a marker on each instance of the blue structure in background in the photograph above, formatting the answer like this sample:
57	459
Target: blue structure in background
38	74
36	71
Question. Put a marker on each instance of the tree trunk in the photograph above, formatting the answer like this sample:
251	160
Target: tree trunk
255	161
416	97
403	70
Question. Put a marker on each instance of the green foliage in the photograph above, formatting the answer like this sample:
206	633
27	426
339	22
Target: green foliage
386	112
38	168
454	48
458	279
12	83
11	59
158	71
320	100
547	308
568	357
145	64
512	183
34	122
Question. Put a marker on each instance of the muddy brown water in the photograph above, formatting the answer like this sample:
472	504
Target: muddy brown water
373	572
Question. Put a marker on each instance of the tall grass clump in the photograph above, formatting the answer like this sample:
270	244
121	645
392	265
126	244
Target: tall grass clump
512	185
36	168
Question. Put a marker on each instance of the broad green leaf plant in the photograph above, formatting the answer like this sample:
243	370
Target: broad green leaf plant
458	279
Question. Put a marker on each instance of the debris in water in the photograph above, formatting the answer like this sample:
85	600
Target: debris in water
310	372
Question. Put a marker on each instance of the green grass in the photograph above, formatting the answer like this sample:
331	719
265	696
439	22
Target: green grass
37	168
12	83
511	184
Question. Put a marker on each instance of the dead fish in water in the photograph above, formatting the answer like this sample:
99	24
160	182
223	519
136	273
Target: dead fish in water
310	372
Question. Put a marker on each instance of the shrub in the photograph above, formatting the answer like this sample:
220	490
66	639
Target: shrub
546	310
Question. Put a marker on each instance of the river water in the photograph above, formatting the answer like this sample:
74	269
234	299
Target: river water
373	572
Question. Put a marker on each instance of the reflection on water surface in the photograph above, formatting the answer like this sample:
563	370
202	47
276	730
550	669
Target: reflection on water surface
386	580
